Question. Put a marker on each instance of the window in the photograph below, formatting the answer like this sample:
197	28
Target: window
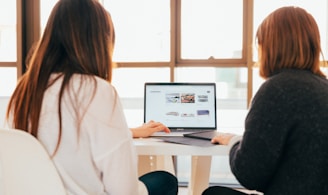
129	83
46	7
8	47
179	40
142	30
8	80
318	10
8	23
205	31
231	83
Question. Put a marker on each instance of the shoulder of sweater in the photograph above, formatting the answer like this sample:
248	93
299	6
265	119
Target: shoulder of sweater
291	79
294	74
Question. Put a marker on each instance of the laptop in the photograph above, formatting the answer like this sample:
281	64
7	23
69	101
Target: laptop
183	107
207	135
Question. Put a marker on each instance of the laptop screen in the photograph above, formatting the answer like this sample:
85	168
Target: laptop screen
181	105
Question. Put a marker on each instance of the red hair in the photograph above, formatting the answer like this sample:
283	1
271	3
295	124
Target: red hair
288	38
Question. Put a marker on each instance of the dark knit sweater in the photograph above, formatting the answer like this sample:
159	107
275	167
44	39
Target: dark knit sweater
284	149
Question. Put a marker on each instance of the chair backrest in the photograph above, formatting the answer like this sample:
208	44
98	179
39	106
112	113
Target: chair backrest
26	167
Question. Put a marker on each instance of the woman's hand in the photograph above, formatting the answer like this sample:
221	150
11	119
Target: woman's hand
222	138
147	129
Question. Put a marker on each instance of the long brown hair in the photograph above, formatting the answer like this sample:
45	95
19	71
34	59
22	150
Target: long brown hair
78	38
288	38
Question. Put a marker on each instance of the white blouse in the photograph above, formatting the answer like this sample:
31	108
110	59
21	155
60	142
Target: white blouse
96	155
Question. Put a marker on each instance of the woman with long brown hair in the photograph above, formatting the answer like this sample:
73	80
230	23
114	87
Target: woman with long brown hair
66	101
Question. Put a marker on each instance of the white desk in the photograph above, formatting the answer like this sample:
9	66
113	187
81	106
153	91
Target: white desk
155	154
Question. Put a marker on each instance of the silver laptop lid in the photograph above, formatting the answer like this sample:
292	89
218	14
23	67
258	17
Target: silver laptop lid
181	106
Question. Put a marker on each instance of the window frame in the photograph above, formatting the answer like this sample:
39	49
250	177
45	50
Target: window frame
28	31
19	42
177	61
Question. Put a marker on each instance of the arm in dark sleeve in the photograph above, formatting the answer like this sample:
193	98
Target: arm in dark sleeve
255	158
